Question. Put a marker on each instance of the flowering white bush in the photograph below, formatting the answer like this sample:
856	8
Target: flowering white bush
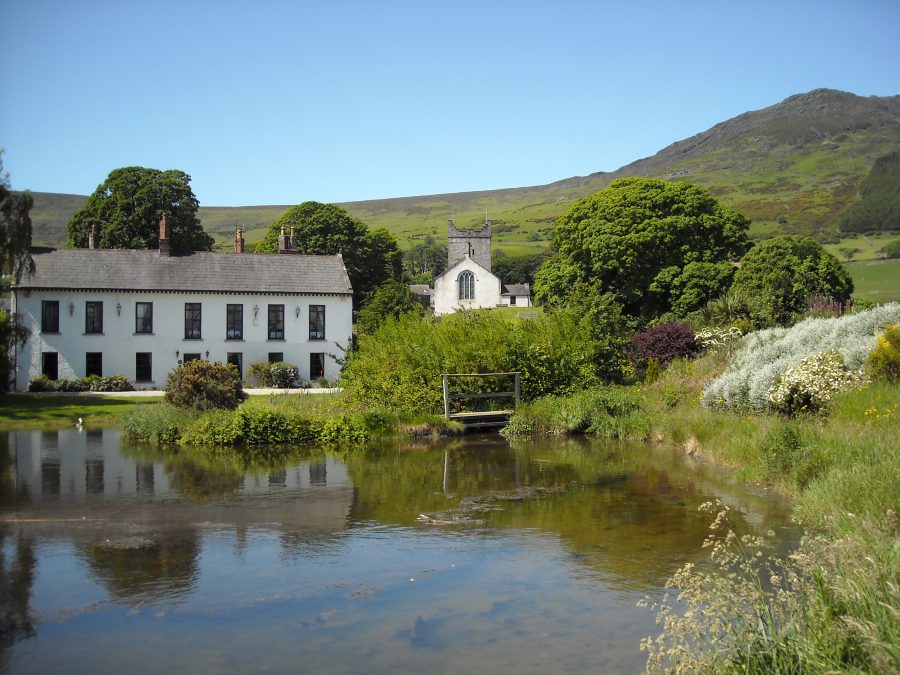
810	384
765	356
716	338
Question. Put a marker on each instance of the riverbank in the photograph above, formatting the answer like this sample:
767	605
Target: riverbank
834	604
99	409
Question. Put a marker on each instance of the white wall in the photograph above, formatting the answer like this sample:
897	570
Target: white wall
446	290
119	342
521	301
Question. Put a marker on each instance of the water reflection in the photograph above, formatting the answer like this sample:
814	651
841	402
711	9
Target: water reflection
406	553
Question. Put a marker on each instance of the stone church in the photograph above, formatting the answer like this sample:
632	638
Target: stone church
468	283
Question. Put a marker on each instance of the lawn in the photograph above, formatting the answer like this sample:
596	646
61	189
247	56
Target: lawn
19	411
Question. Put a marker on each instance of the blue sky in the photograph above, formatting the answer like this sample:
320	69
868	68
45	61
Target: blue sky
281	102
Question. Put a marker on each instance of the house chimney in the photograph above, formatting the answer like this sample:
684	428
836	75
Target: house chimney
239	241
293	243
282	241
165	245
92	237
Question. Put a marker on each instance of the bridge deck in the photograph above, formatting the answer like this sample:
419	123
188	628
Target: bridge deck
475	420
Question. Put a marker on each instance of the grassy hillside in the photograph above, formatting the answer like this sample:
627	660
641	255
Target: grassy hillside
794	167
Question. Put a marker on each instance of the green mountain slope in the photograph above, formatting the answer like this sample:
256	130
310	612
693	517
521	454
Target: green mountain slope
794	167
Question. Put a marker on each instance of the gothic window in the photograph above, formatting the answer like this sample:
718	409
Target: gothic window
466	283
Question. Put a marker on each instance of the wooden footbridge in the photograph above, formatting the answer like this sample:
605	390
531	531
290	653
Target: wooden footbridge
490	419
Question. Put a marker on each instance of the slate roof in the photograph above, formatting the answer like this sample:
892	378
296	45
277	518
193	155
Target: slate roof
516	289
244	273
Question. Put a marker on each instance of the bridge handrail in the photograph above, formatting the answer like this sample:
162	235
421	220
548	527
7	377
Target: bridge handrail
445	379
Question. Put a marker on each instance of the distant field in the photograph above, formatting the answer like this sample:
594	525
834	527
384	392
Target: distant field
878	280
862	246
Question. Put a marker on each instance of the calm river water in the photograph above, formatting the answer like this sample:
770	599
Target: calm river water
466	557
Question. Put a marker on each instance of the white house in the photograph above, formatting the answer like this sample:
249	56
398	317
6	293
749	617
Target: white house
468	283
141	313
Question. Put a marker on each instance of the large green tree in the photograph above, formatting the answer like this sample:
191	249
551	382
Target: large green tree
425	260
657	246
371	258
784	272
15	229
390	299
127	207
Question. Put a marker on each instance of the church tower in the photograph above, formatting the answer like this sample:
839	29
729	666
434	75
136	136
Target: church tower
474	243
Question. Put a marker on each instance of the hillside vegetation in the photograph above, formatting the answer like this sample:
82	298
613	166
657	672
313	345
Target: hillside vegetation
794	167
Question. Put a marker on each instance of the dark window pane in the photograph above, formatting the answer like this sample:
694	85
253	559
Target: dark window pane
93	317
93	364
317	322
143	367
316	366
191	357
236	359
192	321
276	357
143	317
234	322
50	365
276	322
50	316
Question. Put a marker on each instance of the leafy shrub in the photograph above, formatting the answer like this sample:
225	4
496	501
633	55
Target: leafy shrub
91	383
652	371
784	271
808	386
42	383
663	343
399	367
203	385
766	355
884	360
283	375
260	370
111	383
718	338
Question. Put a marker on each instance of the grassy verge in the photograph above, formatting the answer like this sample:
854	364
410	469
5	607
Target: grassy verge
49	411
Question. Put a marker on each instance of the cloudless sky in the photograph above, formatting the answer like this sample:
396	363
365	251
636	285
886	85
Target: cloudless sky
272	102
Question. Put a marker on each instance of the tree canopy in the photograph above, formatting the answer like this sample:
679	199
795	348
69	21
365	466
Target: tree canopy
657	246
15	229
127	207
371	258
783	272
390	299
425	260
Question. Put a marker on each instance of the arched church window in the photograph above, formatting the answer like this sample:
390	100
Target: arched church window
466	283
